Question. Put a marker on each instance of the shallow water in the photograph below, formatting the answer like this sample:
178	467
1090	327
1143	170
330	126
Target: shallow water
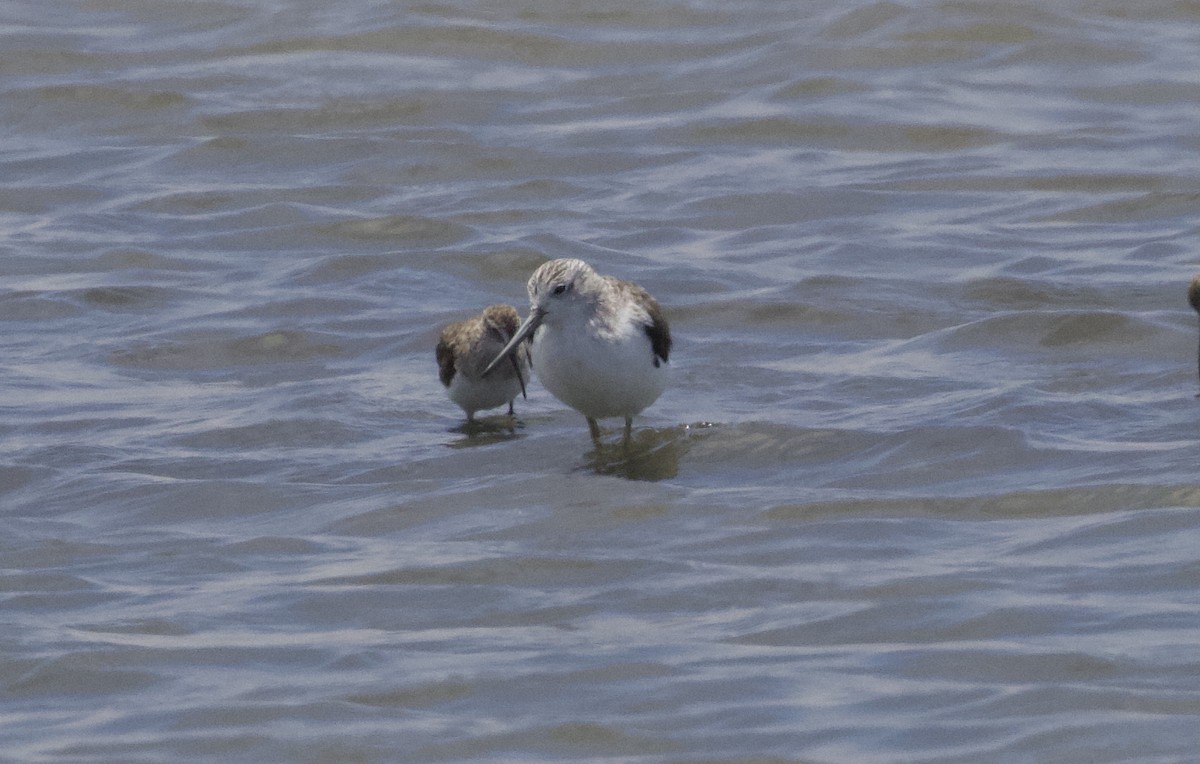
923	489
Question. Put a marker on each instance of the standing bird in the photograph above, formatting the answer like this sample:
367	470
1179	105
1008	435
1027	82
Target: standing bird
464	349
1194	299
600	345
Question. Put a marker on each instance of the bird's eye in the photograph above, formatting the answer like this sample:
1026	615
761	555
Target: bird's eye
560	288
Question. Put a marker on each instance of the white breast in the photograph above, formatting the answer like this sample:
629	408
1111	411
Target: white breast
599	375
476	395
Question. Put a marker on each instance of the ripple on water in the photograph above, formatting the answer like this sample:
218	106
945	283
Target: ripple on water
1109	332
1153	206
410	230
199	353
130	296
37	306
1012	293
13	478
303	432
845	135
86	674
124	259
1099	500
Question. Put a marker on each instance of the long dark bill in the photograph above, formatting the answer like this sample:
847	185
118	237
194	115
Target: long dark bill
526	329
517	370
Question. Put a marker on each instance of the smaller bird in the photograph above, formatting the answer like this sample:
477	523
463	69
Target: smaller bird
599	344
463	351
1194	300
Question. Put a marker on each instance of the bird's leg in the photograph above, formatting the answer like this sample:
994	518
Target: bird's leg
595	430
627	441
510	409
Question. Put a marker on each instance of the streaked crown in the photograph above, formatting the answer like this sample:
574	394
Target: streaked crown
559	277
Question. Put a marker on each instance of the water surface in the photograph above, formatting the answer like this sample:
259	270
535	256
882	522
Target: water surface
924	487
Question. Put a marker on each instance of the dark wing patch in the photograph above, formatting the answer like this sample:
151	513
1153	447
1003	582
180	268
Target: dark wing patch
657	330
656	327
445	360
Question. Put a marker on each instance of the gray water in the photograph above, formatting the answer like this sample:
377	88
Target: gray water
924	487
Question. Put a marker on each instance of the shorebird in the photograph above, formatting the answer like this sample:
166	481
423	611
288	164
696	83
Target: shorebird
599	344
1194	299
464	349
